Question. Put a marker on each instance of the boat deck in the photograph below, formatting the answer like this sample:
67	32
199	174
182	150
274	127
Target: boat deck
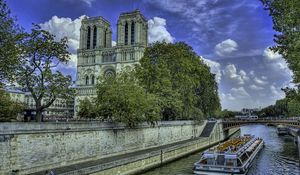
231	146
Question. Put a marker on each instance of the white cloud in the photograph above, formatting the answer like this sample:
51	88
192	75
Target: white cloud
276	92
235	94
264	77
73	61
275	61
226	97
158	31
215	68
239	92
88	2
113	43
231	73
255	87
260	81
270	55
226	47
65	27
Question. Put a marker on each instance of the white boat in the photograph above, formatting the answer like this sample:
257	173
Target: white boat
231	157
282	130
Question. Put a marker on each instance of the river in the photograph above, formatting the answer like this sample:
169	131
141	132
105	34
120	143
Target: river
278	157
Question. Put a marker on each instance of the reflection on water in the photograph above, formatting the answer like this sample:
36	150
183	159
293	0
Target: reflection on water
279	156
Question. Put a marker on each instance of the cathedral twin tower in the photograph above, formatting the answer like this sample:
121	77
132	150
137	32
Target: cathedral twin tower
97	56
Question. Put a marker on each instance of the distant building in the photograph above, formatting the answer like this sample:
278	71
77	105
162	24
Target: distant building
59	108
246	111
97	56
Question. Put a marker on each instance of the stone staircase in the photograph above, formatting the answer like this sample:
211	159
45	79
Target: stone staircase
208	129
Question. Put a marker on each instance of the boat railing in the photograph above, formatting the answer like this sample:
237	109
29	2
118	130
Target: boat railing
220	167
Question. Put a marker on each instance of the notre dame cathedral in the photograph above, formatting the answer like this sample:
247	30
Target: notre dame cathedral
97	56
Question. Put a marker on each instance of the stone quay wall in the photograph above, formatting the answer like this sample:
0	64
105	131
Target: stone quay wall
34	147
140	163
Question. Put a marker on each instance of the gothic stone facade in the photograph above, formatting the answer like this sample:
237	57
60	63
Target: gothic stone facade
97	56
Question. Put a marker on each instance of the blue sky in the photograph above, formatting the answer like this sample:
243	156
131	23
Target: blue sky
232	36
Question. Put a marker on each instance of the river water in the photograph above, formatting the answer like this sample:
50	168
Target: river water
278	157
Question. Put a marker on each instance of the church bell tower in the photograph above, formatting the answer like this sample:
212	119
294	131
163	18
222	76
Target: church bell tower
132	29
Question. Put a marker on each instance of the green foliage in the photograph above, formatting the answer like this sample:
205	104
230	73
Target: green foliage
122	99
41	54
292	101
225	114
293	108
270	111
183	83
288	106
286	21
87	109
8	108
10	38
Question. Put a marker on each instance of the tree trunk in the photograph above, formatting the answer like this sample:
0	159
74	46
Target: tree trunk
38	110
38	116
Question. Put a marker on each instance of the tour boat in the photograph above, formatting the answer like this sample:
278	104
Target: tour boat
282	130
231	157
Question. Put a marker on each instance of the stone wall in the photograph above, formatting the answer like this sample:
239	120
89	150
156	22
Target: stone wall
31	147
140	163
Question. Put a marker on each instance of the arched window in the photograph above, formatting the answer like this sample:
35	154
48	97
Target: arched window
86	80
88	42
95	37
93	79
132	33
105	38
126	33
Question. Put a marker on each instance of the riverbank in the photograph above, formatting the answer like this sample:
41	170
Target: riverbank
85	148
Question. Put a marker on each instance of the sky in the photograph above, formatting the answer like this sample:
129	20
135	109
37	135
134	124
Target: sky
232	36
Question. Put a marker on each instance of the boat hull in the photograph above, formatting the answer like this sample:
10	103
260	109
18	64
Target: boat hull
216	173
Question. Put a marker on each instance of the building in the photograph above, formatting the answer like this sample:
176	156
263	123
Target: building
246	111
97	56
59	108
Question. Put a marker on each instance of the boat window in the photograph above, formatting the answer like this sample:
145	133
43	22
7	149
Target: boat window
221	160
244	157
210	161
230	162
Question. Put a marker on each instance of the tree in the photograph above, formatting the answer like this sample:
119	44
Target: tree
286	21
155	77
226	114
87	109
122	99
293	108
10	38
40	56
183	83
8	108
